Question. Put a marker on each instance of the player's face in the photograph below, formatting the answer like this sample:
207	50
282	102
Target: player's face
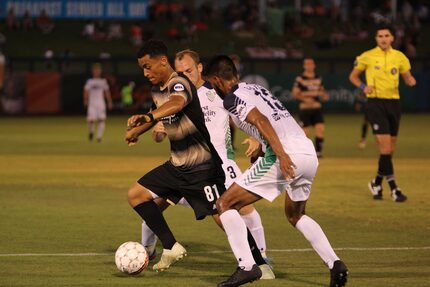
153	68
384	39
309	65
190	68
97	72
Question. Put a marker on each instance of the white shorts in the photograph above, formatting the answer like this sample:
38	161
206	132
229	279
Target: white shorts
96	113
231	170
265	179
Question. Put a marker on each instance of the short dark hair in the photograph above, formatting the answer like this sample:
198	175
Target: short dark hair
153	48
384	26
221	66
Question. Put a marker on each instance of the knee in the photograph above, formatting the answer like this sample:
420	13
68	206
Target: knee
136	195
293	218
223	204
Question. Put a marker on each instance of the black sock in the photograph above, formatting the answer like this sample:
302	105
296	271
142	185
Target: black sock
256	254
319	144
391	181
385	167
364	131
153	217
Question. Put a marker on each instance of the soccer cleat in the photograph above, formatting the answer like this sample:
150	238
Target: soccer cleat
169	257
376	190
241	276
267	272
397	195
338	274
90	136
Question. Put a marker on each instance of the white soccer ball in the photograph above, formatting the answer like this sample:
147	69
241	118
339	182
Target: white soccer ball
131	257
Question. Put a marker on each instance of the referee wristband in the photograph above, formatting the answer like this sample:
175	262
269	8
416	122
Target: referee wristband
362	86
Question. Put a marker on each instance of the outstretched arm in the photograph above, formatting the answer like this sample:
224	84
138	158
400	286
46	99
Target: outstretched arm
409	79
263	125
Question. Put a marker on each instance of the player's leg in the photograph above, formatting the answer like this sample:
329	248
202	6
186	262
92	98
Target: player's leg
228	205
91	128
149	239
100	129
253	222
319	138
364	129
304	120
295	210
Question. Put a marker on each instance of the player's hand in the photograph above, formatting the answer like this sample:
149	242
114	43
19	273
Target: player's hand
131	137
368	90
254	147
411	81
110	106
287	167
159	128
137	120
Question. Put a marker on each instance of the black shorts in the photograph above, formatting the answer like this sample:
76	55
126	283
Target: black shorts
310	117
384	116
201	187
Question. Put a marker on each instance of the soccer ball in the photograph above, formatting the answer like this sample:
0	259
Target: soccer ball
131	257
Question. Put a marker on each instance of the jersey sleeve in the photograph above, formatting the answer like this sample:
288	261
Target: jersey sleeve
404	64
360	62
87	85
296	83
179	86
238	105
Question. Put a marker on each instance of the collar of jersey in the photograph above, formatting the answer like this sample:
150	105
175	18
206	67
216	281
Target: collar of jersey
174	74
379	50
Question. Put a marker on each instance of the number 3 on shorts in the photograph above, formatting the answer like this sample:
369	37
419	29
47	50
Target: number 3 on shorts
211	192
230	169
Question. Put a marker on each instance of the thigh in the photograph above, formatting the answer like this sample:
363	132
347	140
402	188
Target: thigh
164	182
318	117
376	113
201	190
299	188
236	197
305	118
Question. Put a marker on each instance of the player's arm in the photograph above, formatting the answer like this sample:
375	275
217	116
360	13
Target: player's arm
86	96
132	133
174	105
263	125
354	78
323	94
108	98
409	79
254	147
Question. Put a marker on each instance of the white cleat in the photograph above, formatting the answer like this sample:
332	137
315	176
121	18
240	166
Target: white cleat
267	272
169	257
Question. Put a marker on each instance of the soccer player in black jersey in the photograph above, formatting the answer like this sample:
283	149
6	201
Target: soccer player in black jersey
309	90
194	169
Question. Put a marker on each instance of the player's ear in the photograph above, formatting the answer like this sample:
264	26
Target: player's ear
200	67
163	60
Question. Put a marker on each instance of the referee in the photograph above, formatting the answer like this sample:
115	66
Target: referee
383	65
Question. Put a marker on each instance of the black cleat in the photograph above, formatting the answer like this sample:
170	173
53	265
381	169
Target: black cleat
241	276
338	274
397	195
376	190
90	136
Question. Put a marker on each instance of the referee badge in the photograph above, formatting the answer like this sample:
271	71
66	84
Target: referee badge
393	71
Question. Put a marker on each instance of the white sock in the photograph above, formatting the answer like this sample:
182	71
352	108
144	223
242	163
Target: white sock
253	222
315	235
101	129
91	127
149	240
237	235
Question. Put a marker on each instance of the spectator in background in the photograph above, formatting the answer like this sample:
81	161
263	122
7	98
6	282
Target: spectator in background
100	33
11	22
48	55
89	30
127	96
114	31
27	21
136	35
44	23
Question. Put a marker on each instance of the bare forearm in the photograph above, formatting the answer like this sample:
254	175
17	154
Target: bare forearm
169	108
266	130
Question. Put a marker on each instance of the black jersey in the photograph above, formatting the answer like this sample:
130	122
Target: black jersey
306	84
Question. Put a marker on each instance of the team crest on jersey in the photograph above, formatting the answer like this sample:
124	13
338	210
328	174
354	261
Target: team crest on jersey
178	87
210	95
377	67
393	71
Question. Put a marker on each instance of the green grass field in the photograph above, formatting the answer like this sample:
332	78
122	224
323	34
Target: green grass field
63	210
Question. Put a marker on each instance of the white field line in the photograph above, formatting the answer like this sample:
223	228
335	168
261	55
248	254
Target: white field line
218	251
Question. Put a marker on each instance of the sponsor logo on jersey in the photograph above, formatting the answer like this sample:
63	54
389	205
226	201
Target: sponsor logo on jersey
241	110
376	127
393	71
178	87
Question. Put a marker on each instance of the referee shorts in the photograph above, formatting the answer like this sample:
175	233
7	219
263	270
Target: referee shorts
200	187
384	116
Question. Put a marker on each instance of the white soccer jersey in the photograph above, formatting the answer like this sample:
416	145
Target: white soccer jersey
96	101
245	97
217	123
